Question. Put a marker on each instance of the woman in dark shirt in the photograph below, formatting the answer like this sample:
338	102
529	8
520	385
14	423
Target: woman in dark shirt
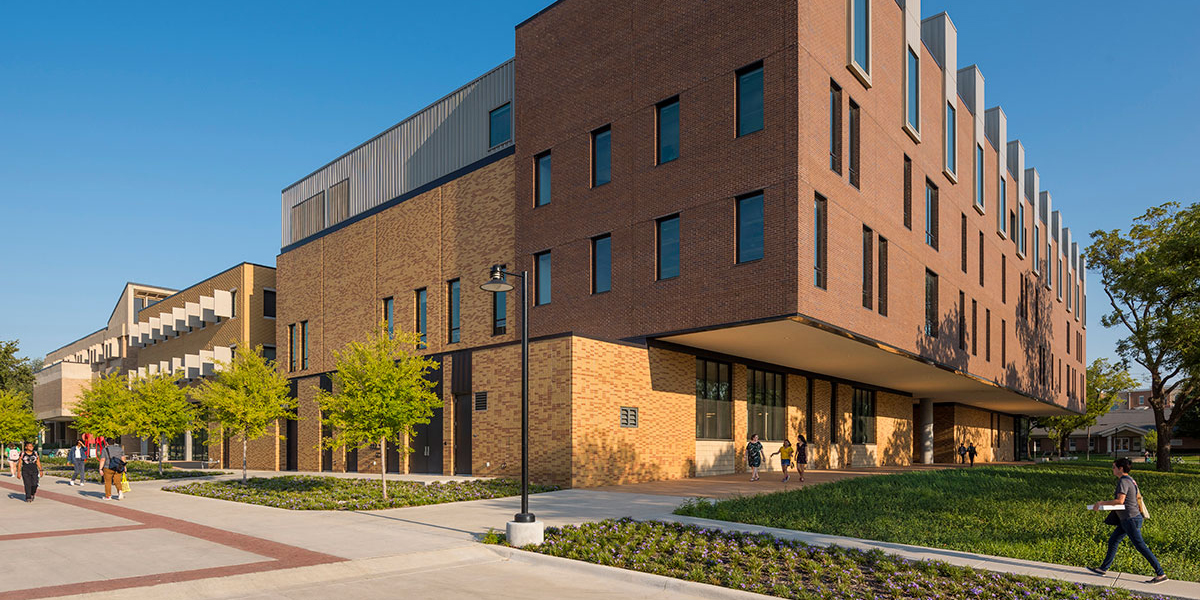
754	455
31	470
1130	523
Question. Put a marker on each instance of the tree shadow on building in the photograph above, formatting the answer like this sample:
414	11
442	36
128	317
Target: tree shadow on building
603	458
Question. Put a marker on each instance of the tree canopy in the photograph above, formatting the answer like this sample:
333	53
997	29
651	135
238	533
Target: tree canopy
103	407
16	373
17	421
1105	381
159	409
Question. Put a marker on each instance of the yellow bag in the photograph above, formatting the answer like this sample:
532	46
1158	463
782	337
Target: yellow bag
125	483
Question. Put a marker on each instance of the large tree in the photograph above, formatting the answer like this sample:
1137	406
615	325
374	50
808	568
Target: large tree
16	373
1105	381
17	421
104	406
246	398
379	393
160	409
1151	275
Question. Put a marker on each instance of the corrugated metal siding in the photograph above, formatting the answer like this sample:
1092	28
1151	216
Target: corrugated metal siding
446	136
308	217
339	202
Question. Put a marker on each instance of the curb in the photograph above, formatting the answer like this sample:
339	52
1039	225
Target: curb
658	582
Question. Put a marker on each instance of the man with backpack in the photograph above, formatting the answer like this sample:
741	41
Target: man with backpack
78	457
112	465
1127	520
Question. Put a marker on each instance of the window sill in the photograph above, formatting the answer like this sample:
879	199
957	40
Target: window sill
912	132
950	175
861	75
1002	234
738	263
266	317
737	135
979	208
671	278
601	293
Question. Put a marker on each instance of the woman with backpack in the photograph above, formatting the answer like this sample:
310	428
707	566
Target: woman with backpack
1127	520
112	465
31	470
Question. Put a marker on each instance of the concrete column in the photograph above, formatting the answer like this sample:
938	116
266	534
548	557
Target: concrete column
145	448
187	446
927	431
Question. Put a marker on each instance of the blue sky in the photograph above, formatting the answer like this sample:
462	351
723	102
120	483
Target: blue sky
150	143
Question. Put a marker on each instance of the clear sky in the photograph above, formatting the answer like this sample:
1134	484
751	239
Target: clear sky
149	142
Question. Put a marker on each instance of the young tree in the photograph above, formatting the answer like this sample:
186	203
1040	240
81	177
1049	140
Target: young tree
1105	381
17	421
160	409
379	393
1151	276
104	406
246	398
1150	440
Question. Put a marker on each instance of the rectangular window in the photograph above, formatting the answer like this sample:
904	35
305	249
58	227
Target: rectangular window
820	231
750	228
962	321
667	255
541	179
714	408
987	335
303	345
269	304
601	156
750	99
1003	204
232	307
1003	341
541	278
1059	272
883	276
963	244
981	261
951	143
914	91
931	303
500	309
931	215
855	133
268	353
979	198
500	125
862	35
765	407
974	328
1003	278
1021	225
421	316
1037	250
908	182
868	267
453	331
601	264
862	430
291	347
667	118
835	127
389	313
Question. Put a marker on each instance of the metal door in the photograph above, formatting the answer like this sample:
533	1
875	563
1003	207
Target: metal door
462	434
426	456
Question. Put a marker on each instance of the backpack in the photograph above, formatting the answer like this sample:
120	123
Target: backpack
116	463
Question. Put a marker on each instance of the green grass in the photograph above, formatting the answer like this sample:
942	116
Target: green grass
768	565
1028	512
136	471
309	492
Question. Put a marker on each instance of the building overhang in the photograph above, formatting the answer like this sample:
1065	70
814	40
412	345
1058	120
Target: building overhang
825	351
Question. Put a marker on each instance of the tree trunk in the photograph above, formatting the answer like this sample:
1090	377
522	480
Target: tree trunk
1088	441
1062	443
1157	402
160	455
383	465
244	458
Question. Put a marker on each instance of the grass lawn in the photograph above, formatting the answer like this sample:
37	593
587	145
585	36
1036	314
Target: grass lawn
767	565
310	492
135	470
1029	512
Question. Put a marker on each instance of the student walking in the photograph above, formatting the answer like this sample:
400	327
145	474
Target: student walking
962	454
1127	520
754	456
801	455
971	452
31	470
78	457
112	468
785	458
14	457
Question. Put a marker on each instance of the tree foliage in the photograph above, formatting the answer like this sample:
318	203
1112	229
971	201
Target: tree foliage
17	421
1105	381
1189	422
379	393
104	406
246	398
1151	275
159	409
16	373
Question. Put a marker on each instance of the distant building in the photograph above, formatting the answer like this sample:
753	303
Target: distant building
1121	432
1141	399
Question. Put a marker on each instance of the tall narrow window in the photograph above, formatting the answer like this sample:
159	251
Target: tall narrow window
714	406
951	142
388	316
963	244
269	304
541	278
1037	250
421	315
862	428
981	261
979	201
601	264
931	303
453	329
667	119
541	179
303	345
908	183
750	228
987	332
601	156
962	321
883	276
500	125
500	311
1003	205
931	215
766	408
1003	278
233	303
868	267
292	347
974	328
1003	341
820	231
855	133
667	256
835	127
862	35
1021	224
750	99
914	91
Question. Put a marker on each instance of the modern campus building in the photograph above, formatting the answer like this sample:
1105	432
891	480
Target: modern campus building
774	217
71	368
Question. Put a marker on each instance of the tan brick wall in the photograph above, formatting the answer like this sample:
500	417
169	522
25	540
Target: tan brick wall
893	429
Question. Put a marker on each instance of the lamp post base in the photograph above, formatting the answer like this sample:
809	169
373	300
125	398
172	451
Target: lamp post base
521	534
524	517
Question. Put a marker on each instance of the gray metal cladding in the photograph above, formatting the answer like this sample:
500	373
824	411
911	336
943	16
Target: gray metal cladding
308	217
448	135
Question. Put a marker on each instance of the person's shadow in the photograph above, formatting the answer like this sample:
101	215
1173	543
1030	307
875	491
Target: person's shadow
16	496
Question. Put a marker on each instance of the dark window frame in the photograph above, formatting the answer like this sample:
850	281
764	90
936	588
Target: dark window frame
908	183
739	81
453	311
388	305
931	215
658	247
507	106
766	389
739	234
863	411
868	268
421	315
537	279
597	133
595	242
855	130
673	101
537	179
931	304
820	241
835	127
882	292
705	388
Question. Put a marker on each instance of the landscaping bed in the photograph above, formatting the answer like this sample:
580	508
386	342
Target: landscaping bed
136	471
767	565
310	492
1027	512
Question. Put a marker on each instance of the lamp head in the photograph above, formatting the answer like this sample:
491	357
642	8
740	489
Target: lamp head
496	282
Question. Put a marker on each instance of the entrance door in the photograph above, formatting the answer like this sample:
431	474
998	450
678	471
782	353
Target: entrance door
462	434
292	443
426	456
326	453
393	457
224	452
352	461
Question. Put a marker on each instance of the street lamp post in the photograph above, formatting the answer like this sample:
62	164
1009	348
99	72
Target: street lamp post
524	529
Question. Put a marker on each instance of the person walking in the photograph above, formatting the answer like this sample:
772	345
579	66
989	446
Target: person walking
971	452
785	458
14	458
1128	521
754	456
78	458
112	468
962	454
31	470
801	459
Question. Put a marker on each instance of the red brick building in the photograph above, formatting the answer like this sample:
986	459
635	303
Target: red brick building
775	218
